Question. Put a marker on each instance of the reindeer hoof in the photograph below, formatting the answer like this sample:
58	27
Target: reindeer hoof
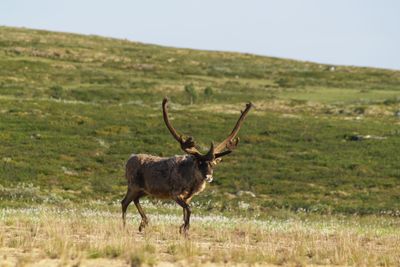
184	229
142	225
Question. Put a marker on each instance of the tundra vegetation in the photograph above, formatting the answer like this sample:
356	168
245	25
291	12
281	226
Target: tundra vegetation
315	180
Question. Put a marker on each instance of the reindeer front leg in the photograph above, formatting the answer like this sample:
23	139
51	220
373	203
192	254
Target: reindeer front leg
186	215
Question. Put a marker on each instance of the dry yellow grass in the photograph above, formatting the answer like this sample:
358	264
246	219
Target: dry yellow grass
88	237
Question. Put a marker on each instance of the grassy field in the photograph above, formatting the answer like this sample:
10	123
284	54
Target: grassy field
321	148
93	237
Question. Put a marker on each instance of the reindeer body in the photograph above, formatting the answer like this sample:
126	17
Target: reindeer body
165	178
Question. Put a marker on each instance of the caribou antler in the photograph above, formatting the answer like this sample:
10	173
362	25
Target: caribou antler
188	145
232	141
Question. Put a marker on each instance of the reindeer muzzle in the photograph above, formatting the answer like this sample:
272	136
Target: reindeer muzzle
209	178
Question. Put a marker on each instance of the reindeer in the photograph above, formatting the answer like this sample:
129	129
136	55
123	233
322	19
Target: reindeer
178	178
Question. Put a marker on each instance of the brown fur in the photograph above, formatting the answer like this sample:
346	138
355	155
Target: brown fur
178	178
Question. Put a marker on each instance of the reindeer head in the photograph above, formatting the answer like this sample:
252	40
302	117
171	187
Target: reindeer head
206	162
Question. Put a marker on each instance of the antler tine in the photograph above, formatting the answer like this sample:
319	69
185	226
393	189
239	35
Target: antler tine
187	145
231	141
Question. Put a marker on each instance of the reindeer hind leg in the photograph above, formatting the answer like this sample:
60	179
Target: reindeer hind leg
144	221
125	203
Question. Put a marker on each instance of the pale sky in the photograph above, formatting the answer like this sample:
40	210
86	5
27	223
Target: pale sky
344	32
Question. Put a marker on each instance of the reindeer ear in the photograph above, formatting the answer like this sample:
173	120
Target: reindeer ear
216	161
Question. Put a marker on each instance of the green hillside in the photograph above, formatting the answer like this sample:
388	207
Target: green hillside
73	108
